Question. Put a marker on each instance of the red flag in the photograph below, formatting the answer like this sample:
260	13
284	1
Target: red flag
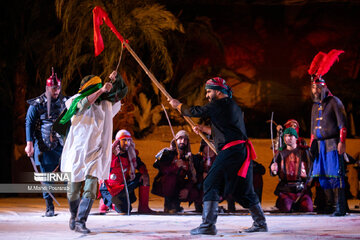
98	16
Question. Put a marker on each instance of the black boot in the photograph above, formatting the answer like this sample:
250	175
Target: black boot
176	206
167	204
258	216
209	216
172	205
330	201
198	207
82	215
231	205
73	207
339	196
49	207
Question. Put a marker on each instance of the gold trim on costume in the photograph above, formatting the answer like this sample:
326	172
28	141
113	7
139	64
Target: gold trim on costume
93	81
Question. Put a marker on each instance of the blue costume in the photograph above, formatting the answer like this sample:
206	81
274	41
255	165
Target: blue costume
328	133
328	117
47	143
38	129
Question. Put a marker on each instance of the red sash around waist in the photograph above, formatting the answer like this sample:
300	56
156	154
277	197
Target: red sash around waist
250	155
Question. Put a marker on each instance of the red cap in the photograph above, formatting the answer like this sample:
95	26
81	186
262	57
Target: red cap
123	134
53	80
291	122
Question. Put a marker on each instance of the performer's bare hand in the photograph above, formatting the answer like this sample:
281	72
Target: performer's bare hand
202	128
29	149
107	87
174	102
180	163
274	168
116	147
279	128
341	148
197	129
94	96
113	75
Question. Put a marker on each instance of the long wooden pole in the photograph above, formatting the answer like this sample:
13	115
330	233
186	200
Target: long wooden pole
167	95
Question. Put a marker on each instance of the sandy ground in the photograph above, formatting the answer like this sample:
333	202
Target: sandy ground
21	217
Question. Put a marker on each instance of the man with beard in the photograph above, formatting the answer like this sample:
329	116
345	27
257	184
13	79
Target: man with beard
87	149
328	133
231	172
291	165
113	190
41	142
177	175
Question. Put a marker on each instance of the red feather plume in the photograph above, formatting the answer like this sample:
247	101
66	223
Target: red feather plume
328	61
315	64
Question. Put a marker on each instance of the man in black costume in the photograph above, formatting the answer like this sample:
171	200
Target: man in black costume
235	152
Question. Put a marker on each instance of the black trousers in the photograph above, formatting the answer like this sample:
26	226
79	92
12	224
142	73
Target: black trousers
222	179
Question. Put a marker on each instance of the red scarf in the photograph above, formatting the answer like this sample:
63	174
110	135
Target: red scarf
251	155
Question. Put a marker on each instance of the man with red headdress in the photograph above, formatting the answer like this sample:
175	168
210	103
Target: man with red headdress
328	132
41	141
231	172
136	176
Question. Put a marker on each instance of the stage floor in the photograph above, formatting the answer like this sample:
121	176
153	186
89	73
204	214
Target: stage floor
21	218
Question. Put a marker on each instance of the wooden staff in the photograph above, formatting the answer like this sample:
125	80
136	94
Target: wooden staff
166	94
99	15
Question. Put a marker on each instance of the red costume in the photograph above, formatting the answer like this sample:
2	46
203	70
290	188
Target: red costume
173	182
136	175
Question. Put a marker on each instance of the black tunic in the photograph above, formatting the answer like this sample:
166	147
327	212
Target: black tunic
227	125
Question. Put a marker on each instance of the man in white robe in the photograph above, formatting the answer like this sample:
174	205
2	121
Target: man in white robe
87	150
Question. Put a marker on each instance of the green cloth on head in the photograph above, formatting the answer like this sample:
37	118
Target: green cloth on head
291	131
117	92
73	107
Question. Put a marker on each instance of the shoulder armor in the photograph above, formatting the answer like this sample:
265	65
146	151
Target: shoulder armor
63	98
36	101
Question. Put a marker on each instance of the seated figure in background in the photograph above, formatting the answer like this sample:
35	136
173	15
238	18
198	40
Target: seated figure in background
176	179
291	165
136	176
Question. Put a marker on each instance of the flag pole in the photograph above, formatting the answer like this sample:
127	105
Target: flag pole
166	94
99	15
